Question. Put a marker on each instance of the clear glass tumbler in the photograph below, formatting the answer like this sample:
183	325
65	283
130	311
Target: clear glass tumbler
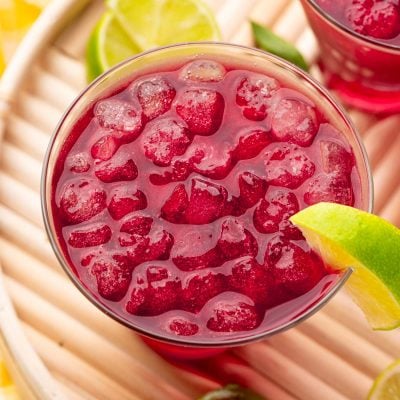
168	59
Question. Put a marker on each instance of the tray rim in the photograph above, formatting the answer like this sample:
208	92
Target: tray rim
32	378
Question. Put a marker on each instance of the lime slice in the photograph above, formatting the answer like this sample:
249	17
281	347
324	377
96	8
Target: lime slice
387	384
153	23
346	237
108	45
132	26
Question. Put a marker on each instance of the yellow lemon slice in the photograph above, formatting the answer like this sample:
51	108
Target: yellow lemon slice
7	388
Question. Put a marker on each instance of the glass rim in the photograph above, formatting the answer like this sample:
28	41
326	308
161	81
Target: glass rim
339	25
212	342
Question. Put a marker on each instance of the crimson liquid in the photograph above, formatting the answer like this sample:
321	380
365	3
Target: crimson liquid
171	198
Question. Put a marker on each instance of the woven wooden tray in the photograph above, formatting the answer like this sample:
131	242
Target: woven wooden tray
331	356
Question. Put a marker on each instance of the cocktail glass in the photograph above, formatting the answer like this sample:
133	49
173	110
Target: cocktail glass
364	71
170	58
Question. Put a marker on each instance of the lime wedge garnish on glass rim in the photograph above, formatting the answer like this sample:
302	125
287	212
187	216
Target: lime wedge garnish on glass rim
387	384
347	237
132	26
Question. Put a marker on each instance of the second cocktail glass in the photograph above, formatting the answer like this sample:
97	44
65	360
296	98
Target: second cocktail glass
363	70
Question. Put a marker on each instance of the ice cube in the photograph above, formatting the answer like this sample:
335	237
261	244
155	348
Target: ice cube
202	110
233	316
294	121
164	140
119	115
81	200
202	71
288	166
331	188
254	94
155	95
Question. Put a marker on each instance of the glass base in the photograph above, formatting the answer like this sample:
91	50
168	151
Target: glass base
182	353
367	99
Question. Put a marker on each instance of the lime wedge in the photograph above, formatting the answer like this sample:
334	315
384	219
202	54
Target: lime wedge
387	384
132	26
346	237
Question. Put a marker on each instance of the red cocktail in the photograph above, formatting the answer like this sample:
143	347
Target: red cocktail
169	183
360	50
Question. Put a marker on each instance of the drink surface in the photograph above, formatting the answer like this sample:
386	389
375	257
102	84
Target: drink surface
376	19
171	200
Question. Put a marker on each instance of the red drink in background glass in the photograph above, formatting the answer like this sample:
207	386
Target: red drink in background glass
168	187
360	50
